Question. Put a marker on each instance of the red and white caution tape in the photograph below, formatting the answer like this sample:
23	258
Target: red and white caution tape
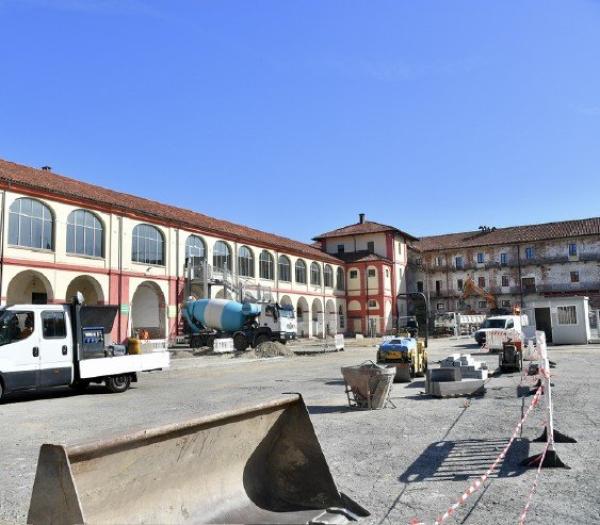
476	485
534	487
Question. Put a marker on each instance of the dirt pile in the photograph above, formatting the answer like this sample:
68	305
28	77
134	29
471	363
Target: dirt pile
270	349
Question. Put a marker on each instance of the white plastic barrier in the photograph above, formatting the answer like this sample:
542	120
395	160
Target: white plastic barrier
222	346
339	341
495	339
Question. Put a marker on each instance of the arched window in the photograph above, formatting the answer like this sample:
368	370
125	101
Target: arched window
84	234
315	274
266	265
300	271
30	224
245	262
340	279
284	269
222	256
195	247
148	245
328	276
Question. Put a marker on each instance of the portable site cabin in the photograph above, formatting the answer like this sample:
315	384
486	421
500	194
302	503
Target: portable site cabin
565	320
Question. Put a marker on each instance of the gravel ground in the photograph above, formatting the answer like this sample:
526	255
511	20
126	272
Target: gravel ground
403	463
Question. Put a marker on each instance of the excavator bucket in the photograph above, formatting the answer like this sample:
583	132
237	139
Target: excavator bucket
262	464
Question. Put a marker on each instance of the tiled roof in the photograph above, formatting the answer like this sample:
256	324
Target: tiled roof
361	256
52	184
362	228
511	235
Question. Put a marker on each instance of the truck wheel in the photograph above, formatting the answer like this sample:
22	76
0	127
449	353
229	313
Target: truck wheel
1	391
210	341
118	384
240	342
261	339
196	342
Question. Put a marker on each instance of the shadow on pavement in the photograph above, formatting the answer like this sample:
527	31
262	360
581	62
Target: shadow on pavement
52	393
415	384
467	458
329	409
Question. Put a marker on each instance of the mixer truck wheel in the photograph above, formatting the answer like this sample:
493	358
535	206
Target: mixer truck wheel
261	339
210	341
240	342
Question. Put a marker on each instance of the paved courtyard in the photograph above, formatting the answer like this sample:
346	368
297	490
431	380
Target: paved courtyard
403	463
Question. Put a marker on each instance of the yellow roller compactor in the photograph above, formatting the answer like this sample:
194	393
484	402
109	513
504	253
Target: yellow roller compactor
407	354
262	464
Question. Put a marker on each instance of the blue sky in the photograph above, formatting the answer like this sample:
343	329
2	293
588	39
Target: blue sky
294	116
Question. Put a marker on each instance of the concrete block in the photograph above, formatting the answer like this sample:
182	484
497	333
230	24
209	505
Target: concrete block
455	388
444	374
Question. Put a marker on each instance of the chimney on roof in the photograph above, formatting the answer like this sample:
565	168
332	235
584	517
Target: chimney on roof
361	218
46	168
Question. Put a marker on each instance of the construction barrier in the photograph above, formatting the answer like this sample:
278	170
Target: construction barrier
476	485
224	345
548	458
495	339
339	341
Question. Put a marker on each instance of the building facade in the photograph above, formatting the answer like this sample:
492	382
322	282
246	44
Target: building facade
59	236
512	266
375	257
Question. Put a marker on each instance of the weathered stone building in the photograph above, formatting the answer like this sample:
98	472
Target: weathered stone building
511	265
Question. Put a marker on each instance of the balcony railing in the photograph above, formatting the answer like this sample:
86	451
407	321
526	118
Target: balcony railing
569	287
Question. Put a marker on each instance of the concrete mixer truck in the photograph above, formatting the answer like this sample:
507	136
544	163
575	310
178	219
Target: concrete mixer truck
248	324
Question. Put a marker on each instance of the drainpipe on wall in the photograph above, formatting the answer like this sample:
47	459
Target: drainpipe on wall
2	232
276	272
176	282
324	300
367	318
520	280
120	268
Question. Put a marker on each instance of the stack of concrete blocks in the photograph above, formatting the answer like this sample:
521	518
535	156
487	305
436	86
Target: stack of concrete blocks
469	367
458	375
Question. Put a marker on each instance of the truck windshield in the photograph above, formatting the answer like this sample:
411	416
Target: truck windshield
286	313
494	323
15	326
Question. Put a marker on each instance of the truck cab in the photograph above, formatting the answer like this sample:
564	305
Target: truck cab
36	347
51	345
280	320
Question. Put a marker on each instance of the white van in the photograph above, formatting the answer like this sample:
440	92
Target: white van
50	345
500	322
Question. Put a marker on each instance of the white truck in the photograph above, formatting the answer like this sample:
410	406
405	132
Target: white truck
51	345
513	323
